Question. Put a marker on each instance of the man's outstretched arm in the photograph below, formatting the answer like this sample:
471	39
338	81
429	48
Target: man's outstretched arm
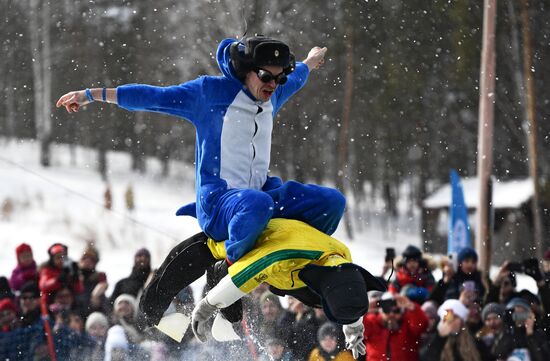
72	101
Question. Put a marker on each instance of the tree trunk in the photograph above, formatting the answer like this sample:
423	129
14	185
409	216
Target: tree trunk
41	66
343	156
138	156
531	128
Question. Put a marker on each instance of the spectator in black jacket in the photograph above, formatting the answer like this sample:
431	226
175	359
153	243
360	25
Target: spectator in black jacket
528	342
134	284
29	304
494	336
302	324
503	288
449	286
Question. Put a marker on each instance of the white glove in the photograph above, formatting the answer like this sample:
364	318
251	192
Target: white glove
354	338
199	319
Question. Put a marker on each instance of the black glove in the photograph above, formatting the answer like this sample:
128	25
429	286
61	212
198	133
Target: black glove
532	268
234	312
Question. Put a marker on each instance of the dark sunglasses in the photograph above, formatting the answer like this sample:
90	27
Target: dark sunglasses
267	76
394	310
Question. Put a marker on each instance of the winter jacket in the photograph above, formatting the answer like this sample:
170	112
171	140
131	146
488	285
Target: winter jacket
284	248
461	347
423	278
318	355
90	279
132	285
537	344
299	335
52	279
21	275
383	344
451	290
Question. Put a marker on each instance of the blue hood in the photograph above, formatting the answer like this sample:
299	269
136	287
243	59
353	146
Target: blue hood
224	60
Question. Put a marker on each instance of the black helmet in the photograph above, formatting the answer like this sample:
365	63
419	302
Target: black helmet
343	290
258	51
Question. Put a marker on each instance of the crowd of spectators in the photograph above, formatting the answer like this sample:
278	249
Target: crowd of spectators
460	317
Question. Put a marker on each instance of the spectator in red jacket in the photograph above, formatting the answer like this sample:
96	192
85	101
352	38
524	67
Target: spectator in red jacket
413	276
25	270
59	271
394	333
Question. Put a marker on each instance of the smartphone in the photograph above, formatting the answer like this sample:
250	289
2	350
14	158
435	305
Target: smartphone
516	267
390	253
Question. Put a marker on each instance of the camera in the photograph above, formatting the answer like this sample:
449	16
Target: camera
387	305
516	267
390	254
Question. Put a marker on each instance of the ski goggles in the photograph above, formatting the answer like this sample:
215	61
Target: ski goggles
266	76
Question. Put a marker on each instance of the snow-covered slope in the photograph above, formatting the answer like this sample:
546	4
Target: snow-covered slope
64	203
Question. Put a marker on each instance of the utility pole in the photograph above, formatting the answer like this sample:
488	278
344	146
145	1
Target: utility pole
485	135
530	127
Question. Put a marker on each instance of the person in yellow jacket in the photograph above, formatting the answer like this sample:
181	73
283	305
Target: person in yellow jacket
291	256
328	348
295	258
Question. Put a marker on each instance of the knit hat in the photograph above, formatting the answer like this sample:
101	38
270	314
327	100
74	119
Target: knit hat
30	287
96	318
91	252
328	329
128	298
411	252
466	253
518	301
7	304
455	306
143	252
23	247
491	308
57	248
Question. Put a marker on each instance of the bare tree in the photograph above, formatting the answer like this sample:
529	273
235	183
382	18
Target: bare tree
39	30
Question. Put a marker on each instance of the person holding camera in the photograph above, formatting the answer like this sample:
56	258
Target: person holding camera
414	275
528	341
503	288
394	332
59	271
448	287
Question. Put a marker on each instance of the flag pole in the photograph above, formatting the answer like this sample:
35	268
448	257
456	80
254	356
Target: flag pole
485	135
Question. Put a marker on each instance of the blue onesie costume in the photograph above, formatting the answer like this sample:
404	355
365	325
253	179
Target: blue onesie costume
235	196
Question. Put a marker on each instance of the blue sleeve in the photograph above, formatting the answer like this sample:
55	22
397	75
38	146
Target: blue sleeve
183	100
296	80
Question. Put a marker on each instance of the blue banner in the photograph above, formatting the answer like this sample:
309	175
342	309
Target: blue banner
459	230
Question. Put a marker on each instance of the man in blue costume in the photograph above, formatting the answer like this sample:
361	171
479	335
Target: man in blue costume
233	117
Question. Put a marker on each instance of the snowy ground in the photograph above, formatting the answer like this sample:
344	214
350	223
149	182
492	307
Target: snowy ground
64	203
